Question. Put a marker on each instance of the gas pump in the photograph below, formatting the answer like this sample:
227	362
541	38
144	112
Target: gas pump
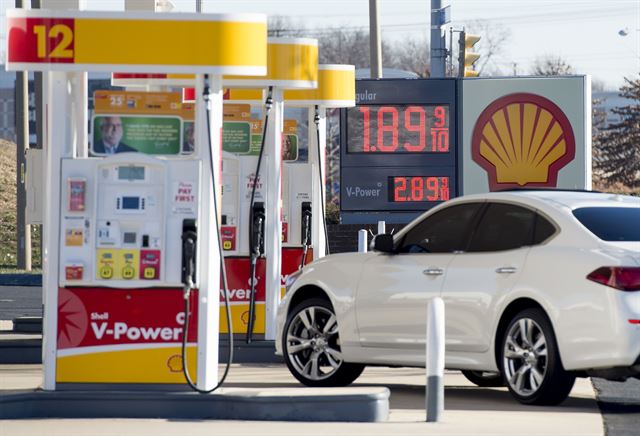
123	233
257	266
336	89
292	64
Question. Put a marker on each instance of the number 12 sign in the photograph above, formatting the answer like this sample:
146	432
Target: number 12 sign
41	40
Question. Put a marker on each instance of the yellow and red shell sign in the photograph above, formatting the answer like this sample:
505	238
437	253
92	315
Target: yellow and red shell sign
123	335
106	41
521	140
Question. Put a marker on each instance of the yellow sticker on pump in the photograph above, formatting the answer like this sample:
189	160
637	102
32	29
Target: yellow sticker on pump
105	263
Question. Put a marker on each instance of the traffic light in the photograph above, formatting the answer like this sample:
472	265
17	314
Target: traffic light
466	57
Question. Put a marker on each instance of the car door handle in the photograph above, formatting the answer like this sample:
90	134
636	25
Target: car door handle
433	272
506	270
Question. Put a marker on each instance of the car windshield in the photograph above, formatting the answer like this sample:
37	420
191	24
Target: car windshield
611	223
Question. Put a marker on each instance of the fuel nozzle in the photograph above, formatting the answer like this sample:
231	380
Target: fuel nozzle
305	236
189	240
257	229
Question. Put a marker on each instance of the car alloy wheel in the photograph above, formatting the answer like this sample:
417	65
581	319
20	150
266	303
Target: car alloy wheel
530	360
525	357
311	345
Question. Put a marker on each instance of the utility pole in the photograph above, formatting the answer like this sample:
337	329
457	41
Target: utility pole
23	230
438	49
375	48
39	117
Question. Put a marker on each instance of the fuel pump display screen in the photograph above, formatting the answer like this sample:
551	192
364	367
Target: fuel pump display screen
418	188
398	129
129	238
130	173
130	203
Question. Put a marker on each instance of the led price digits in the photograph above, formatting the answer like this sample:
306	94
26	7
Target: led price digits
400	129
419	189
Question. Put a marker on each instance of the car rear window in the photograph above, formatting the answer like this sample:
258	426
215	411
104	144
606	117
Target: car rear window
611	223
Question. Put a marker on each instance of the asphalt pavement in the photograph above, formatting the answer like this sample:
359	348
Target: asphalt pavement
618	402
17	301
620	406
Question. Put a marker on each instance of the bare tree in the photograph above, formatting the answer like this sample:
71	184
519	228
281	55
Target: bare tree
617	146
279	25
346	46
550	65
410	54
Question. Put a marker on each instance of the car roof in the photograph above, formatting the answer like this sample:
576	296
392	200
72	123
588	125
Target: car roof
560	198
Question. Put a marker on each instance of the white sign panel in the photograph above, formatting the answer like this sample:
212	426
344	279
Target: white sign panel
525	133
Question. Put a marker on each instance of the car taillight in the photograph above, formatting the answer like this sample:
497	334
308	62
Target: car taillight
624	278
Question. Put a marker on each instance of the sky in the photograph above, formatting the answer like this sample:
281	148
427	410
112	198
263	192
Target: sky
586	34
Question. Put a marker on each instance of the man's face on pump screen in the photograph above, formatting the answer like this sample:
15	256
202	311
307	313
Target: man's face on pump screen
111	129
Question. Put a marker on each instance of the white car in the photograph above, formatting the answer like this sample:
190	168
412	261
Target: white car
539	287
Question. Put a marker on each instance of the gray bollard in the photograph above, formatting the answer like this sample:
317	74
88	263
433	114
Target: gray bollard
435	359
362	241
381	227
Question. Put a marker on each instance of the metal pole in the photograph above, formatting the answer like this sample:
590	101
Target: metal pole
38	80
438	51
461	50
375	48
362	241
23	230
435	359
450	72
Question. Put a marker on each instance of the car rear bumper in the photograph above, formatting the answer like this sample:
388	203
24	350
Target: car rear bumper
620	373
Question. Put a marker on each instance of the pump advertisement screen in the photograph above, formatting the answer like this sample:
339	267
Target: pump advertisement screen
150	135
150	123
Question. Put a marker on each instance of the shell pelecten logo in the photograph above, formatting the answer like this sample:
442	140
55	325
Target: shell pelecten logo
522	140
73	321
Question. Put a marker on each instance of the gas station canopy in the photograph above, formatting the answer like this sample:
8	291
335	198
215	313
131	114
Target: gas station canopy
336	88
45	40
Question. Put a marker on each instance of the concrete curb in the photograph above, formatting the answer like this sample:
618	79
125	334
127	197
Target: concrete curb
20	279
27	349
274	404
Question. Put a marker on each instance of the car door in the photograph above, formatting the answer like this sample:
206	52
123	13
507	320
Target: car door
391	298
488	268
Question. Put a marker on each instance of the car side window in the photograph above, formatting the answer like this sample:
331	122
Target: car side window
445	231
503	227
544	229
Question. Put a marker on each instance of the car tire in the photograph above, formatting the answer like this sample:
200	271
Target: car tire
484	379
311	346
530	360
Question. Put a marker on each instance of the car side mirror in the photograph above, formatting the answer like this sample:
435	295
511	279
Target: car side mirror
383	243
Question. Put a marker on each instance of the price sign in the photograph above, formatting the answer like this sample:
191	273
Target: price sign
398	150
399	129
419	189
